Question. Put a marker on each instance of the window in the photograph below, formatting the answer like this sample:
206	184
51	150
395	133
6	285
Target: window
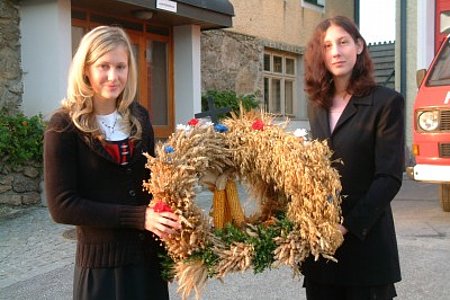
77	34
158	77
445	22
279	83
318	5
440	72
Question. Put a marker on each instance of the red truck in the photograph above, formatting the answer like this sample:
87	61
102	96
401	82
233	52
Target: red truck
431	136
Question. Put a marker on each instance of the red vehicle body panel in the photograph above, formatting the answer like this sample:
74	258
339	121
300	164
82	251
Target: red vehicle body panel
432	97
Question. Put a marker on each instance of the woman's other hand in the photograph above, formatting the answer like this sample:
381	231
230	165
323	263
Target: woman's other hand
342	229
161	223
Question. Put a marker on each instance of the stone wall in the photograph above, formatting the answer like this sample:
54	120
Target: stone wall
231	61
21	186
234	61
11	86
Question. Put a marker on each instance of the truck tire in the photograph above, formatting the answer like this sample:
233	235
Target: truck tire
444	192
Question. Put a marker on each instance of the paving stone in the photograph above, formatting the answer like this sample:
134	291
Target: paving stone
36	261
32	244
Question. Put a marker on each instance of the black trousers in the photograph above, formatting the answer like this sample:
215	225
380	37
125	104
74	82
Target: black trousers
318	291
128	282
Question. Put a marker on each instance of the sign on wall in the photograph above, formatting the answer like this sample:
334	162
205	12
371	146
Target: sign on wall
167	5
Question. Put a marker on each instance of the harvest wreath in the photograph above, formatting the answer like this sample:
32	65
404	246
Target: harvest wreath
290	178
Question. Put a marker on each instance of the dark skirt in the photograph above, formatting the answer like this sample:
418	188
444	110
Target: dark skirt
128	282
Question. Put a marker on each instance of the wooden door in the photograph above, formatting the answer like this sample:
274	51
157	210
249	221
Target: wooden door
155	80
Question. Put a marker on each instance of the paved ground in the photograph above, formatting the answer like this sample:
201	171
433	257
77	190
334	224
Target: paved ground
36	261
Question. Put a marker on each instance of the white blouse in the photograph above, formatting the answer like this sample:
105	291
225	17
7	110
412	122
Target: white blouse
111	126
336	110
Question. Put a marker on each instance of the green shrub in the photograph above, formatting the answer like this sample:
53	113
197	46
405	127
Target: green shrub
229	99
21	139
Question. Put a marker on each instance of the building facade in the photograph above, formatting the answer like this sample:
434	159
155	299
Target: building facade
165	35
262	53
183	48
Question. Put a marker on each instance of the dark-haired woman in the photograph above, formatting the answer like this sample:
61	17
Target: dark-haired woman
364	126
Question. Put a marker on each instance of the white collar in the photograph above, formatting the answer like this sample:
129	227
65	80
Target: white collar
112	127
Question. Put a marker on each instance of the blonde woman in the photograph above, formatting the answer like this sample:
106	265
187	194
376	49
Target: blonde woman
94	169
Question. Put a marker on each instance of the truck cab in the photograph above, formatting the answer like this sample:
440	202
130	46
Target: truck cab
431	129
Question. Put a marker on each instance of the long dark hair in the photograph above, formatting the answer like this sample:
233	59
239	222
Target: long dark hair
318	80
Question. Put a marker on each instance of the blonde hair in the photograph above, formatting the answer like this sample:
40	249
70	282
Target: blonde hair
79	100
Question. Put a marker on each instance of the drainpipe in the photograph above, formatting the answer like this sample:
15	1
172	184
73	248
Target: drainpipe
403	33
356	12
409	160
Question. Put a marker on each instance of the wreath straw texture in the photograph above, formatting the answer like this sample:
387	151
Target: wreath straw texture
291	179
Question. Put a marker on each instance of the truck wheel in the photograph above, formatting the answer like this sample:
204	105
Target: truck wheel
445	197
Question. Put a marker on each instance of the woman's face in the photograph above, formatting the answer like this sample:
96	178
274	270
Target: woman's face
340	52
108	75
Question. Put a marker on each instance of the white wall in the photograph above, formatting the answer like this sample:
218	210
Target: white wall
425	34
187	78
46	53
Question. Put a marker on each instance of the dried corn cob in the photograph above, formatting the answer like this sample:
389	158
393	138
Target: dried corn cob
228	217
219	201
233	203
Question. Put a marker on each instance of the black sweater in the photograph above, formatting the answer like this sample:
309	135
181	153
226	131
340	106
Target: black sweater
87	188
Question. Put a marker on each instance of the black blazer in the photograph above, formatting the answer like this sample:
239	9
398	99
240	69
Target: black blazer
369	140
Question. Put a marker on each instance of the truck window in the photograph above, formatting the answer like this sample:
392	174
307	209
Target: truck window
440	73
